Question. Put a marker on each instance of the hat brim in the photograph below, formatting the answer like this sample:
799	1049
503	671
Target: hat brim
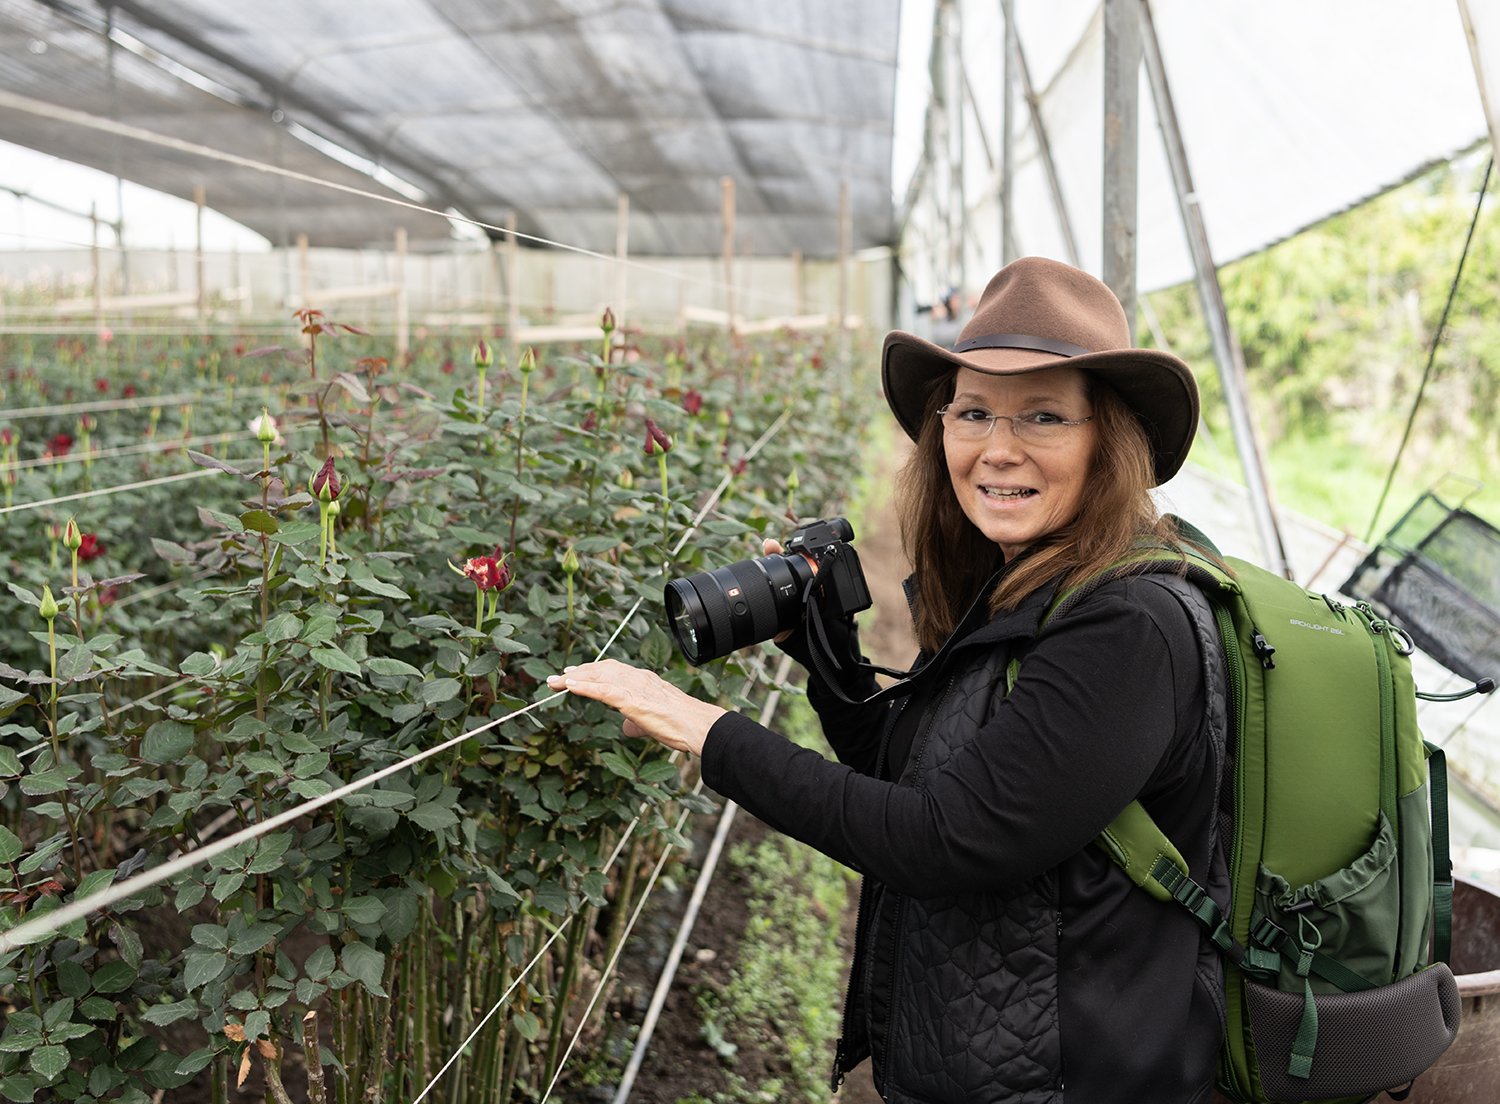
1157	387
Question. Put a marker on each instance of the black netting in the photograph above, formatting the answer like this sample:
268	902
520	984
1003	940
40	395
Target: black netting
1437	574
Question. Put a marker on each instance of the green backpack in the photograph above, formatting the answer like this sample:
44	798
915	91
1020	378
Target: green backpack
1341	890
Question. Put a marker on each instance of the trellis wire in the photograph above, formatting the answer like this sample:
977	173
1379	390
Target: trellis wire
121	489
19	413
148	448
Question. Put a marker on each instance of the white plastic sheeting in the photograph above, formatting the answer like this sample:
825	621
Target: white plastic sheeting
1290	110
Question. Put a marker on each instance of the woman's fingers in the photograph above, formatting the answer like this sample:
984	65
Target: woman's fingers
651	706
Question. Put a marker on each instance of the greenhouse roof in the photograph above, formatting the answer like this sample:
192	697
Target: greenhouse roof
549	111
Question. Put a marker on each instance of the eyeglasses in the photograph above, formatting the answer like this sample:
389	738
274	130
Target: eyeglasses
1037	427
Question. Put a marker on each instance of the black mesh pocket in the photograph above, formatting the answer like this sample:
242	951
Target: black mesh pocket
1367	1041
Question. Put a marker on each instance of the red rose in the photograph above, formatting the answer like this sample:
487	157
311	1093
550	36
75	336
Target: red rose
59	444
328	478
91	548
692	402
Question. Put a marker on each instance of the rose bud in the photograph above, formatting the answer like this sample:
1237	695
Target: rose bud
527	363
325	484
692	402
483	358
72	538
607	323
48	608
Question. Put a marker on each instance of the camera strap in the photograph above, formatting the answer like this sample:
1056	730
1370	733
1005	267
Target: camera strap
826	663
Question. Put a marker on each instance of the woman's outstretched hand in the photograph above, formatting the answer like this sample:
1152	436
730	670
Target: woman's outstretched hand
650	705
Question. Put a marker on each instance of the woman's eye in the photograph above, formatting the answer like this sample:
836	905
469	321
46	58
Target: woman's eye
974	414
1043	417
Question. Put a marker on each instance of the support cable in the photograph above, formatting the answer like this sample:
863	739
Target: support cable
1437	336
121	489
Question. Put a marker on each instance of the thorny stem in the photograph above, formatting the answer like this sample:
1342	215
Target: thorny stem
520	440
57	755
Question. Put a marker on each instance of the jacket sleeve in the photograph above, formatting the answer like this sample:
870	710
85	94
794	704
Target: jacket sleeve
1090	720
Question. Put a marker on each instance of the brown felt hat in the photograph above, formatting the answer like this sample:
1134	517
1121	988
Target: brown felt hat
1038	313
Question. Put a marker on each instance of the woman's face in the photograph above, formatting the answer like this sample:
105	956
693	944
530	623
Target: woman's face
1017	491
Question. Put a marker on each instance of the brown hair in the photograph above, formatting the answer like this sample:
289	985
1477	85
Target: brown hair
953	559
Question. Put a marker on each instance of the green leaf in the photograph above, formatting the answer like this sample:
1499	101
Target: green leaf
199	664
656	649
113	977
202	967
93	882
56	1013
537	601
616	763
166	742
49	1062
434	816
436	691
269	853
385	590
19	1087
44	782
284	626
98	1008
72	978
528	1025
10	845
382	665
660	771
364	910
365	965
335	659
10	762
226	884
298	532
255	937
163	1014
259	521
172	553
213	936
75	663
319	964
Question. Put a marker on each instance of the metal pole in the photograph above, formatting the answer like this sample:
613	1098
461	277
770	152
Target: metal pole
403	305
200	198
960	152
98	271
1490	118
513	288
303	270
1122	67
622	269
726	186
1044	146
844	234
1227	352
1007	131
799	306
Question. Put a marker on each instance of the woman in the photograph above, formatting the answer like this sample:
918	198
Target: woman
999	956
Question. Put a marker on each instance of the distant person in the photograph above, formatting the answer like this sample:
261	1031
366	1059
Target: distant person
946	323
1000	958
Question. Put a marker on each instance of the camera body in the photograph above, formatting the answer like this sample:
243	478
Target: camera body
717	612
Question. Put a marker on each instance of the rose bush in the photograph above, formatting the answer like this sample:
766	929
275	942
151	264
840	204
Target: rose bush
300	617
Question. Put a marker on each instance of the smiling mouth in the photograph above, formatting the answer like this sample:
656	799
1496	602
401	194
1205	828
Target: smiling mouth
1013	495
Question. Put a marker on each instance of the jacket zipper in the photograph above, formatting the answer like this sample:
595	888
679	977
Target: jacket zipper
837	1078
919	745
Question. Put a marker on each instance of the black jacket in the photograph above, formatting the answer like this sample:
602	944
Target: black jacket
1001	959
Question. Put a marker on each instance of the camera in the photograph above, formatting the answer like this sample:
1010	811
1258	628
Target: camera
717	612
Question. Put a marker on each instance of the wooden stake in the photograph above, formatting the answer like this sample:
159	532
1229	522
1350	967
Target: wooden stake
844	234
622	269
304	273
403	307
513	288
727	185
200	197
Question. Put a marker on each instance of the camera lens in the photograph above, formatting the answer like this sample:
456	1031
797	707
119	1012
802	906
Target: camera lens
717	612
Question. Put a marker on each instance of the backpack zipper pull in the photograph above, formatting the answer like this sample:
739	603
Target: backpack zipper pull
1263	648
838	1068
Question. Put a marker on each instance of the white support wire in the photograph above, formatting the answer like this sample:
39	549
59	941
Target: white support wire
18	413
147	448
199	474
31	106
32	930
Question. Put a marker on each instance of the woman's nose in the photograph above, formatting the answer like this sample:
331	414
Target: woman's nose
1002	446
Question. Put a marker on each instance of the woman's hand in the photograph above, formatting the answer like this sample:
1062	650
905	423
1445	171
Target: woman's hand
651	706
